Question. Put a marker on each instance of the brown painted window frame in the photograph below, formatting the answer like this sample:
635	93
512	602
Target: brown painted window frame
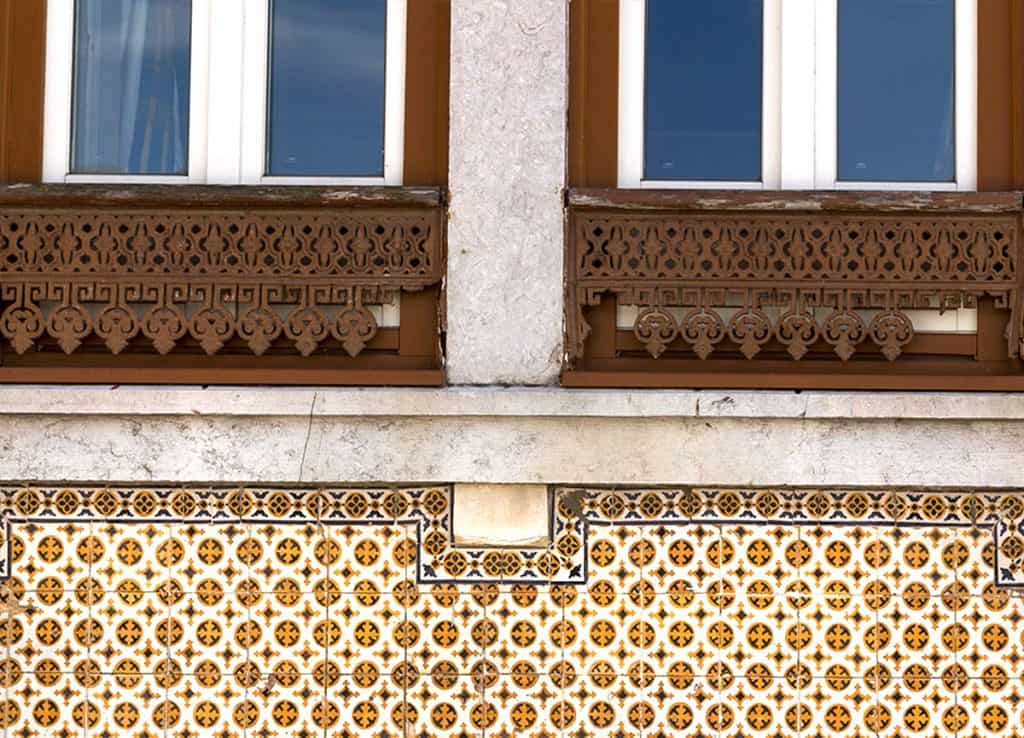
593	186
417	342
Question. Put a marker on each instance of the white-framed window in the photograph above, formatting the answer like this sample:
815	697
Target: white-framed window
798	94
225	91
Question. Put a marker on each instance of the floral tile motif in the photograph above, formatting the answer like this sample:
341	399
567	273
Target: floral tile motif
349	613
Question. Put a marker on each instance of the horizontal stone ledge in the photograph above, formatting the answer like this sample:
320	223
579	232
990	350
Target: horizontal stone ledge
729	452
500	402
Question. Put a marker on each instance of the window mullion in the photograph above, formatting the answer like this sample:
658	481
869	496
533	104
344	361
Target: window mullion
199	93
826	94
226	75
771	101
798	94
255	95
632	24
60	35
394	91
967	94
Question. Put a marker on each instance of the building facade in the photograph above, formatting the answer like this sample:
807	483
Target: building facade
512	367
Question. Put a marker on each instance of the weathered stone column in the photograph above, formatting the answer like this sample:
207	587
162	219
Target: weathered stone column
508	161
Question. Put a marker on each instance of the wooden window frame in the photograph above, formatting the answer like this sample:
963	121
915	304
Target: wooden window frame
22	62
229	99
425	163
631	86
594	65
23	43
799	109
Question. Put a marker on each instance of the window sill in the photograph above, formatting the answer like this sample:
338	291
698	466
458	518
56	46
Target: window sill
806	201
217	196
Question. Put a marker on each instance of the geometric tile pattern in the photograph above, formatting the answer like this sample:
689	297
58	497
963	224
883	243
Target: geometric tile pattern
999	515
728	613
428	510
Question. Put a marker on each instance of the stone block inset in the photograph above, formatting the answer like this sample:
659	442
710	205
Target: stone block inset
517	515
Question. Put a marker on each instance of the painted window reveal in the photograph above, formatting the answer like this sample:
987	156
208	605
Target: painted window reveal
897	84
703	73
131	86
320	45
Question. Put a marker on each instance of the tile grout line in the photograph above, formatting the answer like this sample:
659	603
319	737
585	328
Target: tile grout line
88	643
484	674
168	546
10	604
875	677
407	564
800	532
177	525
557	591
552	594
563	665
956	630
721	617
873	599
326	541
248	628
646	667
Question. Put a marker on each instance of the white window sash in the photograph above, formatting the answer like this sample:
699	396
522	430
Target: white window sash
257	101
57	110
799	148
227	99
632	43
797	99
227	22
966	105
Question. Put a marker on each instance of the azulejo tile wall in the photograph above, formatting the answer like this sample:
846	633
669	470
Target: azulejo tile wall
348	612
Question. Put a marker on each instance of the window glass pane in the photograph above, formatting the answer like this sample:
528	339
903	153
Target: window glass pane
703	90
131	88
896	90
327	88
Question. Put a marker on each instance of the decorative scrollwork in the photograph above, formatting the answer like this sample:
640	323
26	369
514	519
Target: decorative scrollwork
844	330
891	330
750	329
655	328
797	331
725	246
757	283
69	324
259	277
703	329
307	328
165	327
22	323
212	326
354	327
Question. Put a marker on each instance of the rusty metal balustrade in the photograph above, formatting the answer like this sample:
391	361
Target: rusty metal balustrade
792	289
219	280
